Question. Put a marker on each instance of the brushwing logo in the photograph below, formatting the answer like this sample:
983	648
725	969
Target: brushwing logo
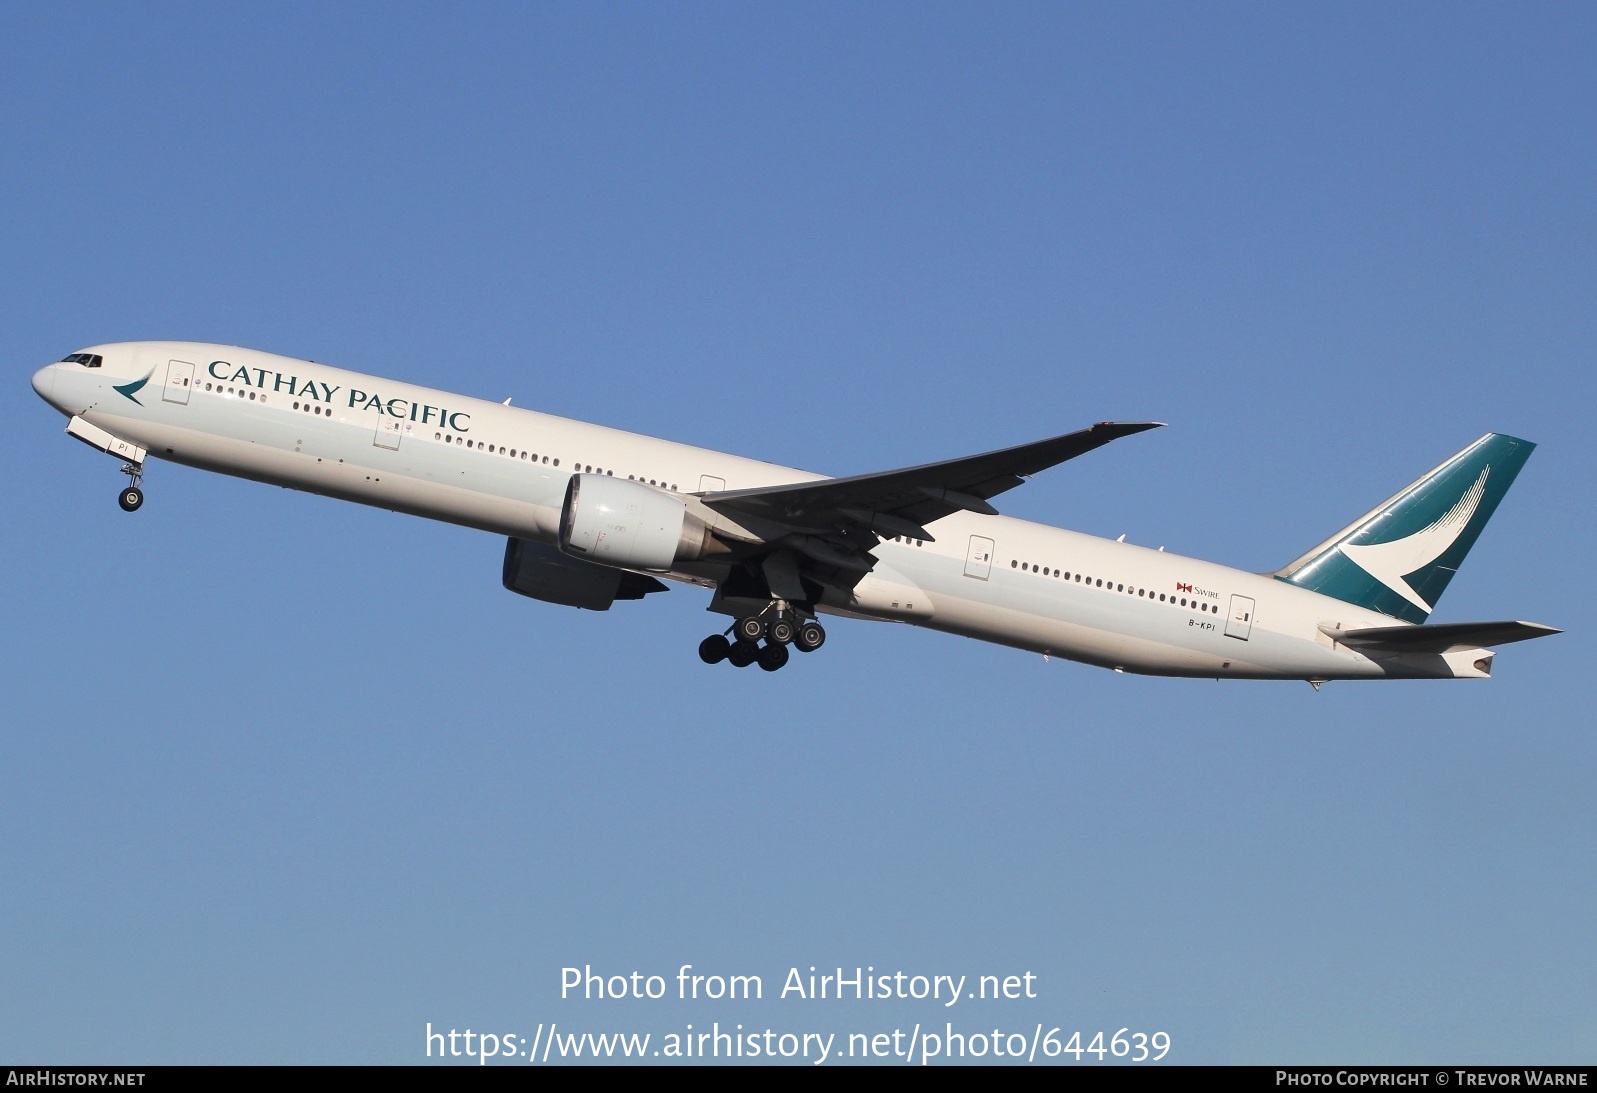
128	390
1388	562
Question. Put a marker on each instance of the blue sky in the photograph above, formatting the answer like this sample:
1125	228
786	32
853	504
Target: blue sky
284	779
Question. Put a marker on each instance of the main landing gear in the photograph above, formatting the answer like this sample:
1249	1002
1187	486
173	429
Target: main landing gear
132	497
777	625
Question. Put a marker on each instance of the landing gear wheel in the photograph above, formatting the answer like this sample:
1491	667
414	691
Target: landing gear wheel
742	654
130	499
810	637
781	631
750	629
773	657
714	649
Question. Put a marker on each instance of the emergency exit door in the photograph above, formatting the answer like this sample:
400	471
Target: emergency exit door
388	432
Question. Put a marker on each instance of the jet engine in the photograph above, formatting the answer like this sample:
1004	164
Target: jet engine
543	573
627	524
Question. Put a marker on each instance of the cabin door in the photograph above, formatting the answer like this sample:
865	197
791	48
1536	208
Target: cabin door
1240	624
179	382
979	558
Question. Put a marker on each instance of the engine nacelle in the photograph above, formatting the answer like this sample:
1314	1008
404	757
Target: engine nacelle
543	573
623	523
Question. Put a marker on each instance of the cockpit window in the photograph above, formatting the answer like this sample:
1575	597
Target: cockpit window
88	360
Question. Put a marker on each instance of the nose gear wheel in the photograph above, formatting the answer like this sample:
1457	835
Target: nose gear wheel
132	497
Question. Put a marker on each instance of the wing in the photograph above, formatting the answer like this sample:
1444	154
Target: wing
903	502
793	540
1442	637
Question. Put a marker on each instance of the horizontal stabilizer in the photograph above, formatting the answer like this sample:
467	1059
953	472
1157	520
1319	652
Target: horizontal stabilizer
1444	637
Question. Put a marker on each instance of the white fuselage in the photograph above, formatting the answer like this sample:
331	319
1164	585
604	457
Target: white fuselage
504	469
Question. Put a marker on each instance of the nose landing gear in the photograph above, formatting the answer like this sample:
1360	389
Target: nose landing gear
132	497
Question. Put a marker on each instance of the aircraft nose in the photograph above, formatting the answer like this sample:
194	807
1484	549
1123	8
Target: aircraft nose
44	383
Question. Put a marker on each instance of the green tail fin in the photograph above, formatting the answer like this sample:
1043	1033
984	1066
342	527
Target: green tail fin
1398	558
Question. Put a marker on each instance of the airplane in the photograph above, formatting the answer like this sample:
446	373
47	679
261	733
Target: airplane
592	515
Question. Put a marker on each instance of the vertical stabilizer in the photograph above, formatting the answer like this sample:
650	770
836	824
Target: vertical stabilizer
1398	558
